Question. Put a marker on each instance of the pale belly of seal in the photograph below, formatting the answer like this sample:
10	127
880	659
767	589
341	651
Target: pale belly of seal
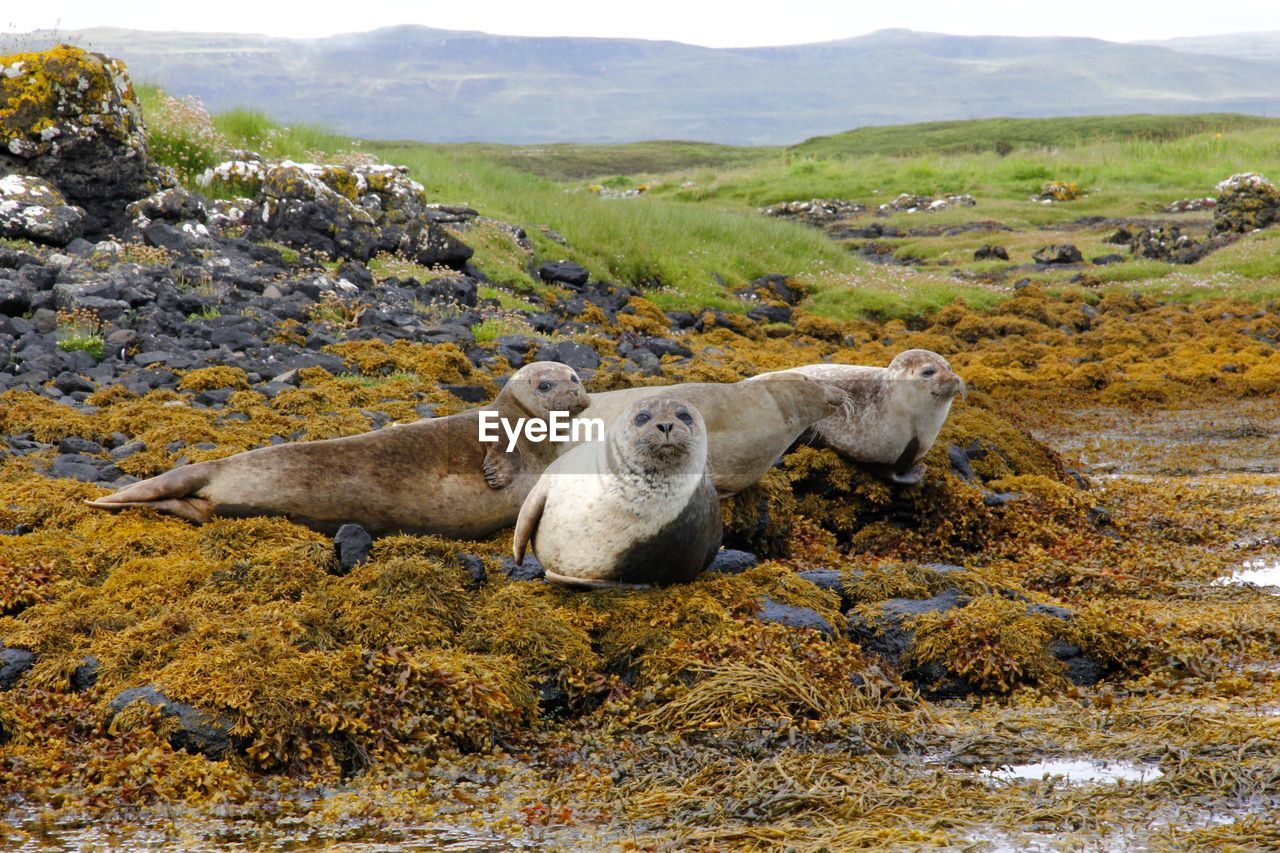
669	539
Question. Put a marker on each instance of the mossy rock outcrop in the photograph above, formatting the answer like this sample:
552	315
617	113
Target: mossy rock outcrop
72	117
1246	202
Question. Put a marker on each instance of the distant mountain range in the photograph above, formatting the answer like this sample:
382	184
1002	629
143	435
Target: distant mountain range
434	85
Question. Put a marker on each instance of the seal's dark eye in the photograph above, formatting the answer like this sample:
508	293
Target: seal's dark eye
930	371
684	416
576	381
643	418
544	386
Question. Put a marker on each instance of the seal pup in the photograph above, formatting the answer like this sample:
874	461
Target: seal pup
635	509
893	414
749	424
432	476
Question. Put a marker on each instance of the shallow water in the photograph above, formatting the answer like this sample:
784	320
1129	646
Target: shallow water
1078	771
1265	573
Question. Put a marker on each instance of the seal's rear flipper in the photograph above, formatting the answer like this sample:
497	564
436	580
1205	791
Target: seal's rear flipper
198	510
173	492
565	580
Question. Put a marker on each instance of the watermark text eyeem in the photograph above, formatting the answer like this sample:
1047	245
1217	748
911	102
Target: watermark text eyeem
558	426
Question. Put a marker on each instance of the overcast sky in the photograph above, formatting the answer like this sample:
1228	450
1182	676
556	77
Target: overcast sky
717	24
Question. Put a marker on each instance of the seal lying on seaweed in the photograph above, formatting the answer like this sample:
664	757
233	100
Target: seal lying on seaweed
635	509
892	415
432	476
749	424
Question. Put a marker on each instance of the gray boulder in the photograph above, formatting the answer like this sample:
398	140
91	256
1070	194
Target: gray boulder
195	731
78	124
33	209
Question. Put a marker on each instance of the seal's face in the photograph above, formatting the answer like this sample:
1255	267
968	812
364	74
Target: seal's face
663	430
546	386
927	375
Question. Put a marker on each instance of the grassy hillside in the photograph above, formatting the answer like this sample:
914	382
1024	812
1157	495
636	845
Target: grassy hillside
697	231
1005	135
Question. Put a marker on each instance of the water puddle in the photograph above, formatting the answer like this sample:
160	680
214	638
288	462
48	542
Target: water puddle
1257	572
1077	771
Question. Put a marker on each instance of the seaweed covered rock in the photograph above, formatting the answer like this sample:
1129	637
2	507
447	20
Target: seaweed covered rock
185	727
72	118
33	209
341	211
952	644
1246	202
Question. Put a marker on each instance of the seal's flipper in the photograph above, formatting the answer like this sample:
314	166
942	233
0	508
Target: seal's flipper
911	477
173	492
527	523
500	467
565	580
196	510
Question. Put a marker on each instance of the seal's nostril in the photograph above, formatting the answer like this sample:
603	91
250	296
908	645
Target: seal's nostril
666	428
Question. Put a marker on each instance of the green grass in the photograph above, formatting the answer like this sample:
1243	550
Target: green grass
575	162
493	328
684	254
697	233
1011	134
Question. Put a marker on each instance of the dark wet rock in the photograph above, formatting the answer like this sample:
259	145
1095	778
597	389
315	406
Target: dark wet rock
794	617
16	259
1081	669
85	675
774	287
13	663
530	570
1106	260
172	205
887	635
681	319
352	544
1245	202
1065	253
831	580
76	444
1120	237
468	393
771	313
74	466
665	346
164	236
575	355
564	272
729	561
15	297
474	567
34	209
996	499
194	730
989	252
959	459
81	129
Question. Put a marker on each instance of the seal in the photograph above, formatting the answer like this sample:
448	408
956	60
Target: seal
432	476
892	415
635	509
750	424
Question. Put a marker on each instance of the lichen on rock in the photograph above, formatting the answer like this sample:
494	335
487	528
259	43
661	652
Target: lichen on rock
72	118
